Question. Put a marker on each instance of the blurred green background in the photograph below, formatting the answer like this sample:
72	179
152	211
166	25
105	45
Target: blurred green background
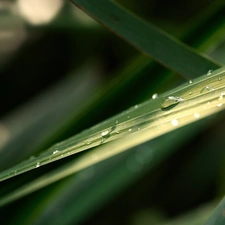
68	58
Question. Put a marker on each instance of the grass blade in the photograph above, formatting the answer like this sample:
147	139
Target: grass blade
203	97
160	46
153	114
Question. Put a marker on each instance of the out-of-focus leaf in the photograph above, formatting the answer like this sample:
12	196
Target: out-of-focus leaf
159	45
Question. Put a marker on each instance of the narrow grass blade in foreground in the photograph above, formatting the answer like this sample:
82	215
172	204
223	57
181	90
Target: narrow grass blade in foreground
159	45
202	97
185	104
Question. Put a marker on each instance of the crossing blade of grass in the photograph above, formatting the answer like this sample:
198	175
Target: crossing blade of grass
160	46
218	216
203	97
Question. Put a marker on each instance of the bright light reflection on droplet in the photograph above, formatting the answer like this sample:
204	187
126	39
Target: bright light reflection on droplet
105	133
154	96
209	72
190	81
196	115
174	122
38	165
171	100
221	96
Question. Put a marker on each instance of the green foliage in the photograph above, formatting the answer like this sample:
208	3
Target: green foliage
164	142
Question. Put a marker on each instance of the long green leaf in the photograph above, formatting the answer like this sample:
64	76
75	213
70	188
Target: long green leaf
200	98
159	45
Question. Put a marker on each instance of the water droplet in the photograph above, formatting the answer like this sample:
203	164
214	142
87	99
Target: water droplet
190	93
219	105
220	78
117	121
105	133
190	81
128	117
209	72
130	130
221	96
37	165
154	96
136	106
174	122
15	172
206	89
55	152
88	142
117	132
171	100
196	115
139	128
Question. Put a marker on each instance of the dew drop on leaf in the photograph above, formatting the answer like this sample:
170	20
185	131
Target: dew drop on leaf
190	81
105	133
171	100
55	152
209	72
88	142
174	122
37	165
196	115
222	95
154	96
206	89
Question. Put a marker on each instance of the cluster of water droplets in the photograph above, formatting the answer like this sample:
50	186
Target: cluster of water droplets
166	103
